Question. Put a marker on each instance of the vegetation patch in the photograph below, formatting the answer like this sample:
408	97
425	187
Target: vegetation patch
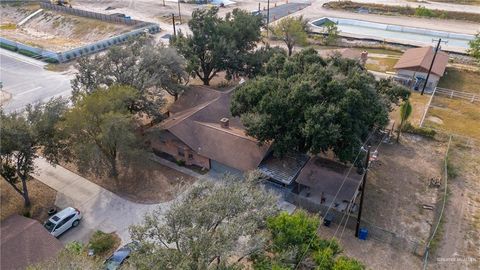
461	80
459	116
381	64
103	244
426	132
402	10
8	26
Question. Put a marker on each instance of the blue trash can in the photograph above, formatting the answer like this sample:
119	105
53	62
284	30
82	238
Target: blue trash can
362	234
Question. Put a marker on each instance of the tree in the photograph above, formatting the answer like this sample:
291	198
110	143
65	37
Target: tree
405	112
331	32
211	223
23	136
309	104
293	31
218	44
141	64
100	129
474	49
72	257
294	242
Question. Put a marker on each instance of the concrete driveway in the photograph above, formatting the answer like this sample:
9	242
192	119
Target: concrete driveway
101	209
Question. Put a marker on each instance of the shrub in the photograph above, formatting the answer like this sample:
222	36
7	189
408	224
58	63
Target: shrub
422	11
101	242
426	132
345	263
180	162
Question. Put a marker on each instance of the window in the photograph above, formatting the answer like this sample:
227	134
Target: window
181	152
190	155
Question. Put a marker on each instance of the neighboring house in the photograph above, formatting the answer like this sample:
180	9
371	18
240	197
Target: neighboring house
413	66
201	131
24	241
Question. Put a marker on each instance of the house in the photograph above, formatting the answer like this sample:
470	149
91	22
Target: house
24	241
201	131
413	66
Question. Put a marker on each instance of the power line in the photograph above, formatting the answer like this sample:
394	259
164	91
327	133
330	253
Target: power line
348	209
338	191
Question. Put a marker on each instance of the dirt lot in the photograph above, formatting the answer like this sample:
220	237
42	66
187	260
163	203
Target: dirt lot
398	187
144	182
55	31
459	246
41	195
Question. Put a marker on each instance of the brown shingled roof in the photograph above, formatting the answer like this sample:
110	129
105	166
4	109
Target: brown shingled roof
327	176
199	127
420	59
24	241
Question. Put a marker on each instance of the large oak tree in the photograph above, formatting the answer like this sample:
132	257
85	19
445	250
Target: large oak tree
24	136
141	64
217	44
310	104
100	130
212	226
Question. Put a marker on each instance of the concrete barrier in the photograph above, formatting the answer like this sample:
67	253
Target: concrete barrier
41	53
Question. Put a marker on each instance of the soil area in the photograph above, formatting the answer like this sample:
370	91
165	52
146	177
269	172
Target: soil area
398	186
55	31
144	181
41	196
459	246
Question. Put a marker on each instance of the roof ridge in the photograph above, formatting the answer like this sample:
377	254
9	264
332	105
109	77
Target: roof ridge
210	125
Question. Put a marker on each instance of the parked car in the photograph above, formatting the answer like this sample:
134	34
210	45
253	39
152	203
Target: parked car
62	221
119	256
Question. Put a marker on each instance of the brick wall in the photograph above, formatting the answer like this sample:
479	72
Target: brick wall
179	151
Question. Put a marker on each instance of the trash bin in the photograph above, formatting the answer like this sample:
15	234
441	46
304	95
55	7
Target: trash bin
328	219
362	234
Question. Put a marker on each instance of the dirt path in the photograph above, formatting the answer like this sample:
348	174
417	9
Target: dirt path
460	236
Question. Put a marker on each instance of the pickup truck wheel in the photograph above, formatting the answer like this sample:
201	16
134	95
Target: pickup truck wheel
75	223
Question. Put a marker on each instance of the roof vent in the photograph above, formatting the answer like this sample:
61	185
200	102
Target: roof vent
224	122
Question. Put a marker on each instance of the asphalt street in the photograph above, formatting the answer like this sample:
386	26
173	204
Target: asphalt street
28	82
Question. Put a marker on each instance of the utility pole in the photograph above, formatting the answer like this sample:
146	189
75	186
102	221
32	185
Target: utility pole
364	182
431	65
173	23
268	14
179	15
163	2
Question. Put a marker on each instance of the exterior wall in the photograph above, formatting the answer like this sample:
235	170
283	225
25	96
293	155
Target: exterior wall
174	147
38	51
432	80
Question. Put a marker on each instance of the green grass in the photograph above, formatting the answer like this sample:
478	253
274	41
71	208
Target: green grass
461	80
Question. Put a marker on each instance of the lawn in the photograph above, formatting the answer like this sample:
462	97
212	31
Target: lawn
456	116
419	103
42	197
381	64
461	80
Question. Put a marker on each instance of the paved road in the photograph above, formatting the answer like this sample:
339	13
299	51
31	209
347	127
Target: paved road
28	82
